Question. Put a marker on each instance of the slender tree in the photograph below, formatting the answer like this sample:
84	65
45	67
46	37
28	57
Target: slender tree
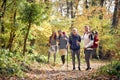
72	13
118	13
13	24
12	32
76	6
102	3
61	7
3	9
86	4
115	19
73	10
33	13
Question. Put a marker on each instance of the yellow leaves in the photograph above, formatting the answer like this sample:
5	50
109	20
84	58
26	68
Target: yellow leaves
96	11
106	37
45	28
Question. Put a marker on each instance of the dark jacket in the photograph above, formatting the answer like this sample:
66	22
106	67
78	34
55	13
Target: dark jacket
73	42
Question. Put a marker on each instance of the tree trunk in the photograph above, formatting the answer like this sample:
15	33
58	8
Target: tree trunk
115	21
76	7
26	37
86	4
101	3
2	28
3	9
71	6
72	14
12	33
67	3
61	9
118	14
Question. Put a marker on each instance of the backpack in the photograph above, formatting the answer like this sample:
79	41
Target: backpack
90	35
94	45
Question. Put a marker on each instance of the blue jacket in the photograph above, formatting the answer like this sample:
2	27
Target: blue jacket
73	42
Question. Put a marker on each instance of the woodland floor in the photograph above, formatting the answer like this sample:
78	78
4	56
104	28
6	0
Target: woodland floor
60	72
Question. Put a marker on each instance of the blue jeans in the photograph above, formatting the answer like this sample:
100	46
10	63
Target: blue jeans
87	57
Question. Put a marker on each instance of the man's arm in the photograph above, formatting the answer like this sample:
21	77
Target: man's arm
79	39
70	42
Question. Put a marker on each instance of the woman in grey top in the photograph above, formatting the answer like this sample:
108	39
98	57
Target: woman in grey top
63	41
53	46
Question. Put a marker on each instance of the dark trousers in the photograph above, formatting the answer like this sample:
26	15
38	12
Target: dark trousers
77	53
87	57
63	59
94	54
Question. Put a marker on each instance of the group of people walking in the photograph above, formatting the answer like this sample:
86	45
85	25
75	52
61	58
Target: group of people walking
62	42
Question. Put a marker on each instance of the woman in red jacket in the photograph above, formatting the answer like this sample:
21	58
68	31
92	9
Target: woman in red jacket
95	45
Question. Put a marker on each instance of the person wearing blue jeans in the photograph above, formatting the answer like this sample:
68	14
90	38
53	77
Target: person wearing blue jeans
88	43
74	41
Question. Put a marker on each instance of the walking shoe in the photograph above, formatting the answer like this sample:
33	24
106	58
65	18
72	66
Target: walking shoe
73	69
88	69
79	69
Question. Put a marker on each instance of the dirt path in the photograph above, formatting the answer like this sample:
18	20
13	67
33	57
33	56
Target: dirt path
59	72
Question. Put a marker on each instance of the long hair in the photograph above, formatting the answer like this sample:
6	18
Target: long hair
55	36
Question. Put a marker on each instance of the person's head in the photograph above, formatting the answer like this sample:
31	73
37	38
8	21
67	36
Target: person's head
74	31
54	34
96	33
59	32
87	28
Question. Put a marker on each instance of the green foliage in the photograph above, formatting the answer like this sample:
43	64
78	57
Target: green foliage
10	63
14	64
111	69
33	13
41	58
108	38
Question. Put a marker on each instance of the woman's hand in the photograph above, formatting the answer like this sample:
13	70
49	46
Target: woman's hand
65	38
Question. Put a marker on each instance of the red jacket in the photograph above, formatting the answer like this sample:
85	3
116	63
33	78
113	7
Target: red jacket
95	44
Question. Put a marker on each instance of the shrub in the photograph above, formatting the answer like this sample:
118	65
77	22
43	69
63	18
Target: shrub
10	63
112	69
41	58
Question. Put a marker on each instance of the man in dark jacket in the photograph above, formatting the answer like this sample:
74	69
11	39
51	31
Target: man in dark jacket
74	41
